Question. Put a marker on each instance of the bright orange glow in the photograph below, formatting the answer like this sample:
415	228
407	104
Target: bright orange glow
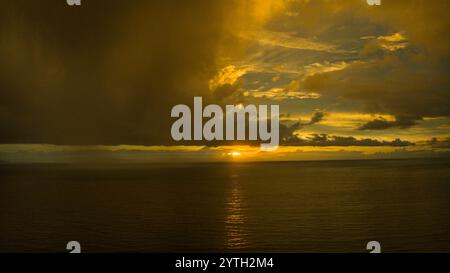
234	154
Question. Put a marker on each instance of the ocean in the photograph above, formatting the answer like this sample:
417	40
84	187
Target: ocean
326	206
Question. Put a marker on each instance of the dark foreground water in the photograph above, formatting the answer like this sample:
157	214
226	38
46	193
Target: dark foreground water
276	207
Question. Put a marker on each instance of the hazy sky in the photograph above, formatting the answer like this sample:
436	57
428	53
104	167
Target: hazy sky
344	73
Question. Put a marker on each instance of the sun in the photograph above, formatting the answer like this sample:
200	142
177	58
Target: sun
234	154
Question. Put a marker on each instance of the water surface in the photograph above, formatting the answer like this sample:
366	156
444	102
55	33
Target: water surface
335	206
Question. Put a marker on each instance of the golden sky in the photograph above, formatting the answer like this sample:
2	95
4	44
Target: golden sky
352	80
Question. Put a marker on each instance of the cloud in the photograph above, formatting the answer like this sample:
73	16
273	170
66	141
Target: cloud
316	118
281	94
439	143
319	68
288	131
109	74
405	85
399	68
289	41
290	135
324	140
104	74
382	124
225	83
390	43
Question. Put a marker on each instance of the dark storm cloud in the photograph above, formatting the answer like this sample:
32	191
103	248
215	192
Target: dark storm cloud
382	124
290	135
107	72
287	130
439	143
225	91
324	140
316	118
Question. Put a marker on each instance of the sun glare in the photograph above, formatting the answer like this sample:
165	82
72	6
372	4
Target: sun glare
234	154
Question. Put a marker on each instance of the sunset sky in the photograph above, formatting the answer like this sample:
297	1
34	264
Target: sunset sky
353	81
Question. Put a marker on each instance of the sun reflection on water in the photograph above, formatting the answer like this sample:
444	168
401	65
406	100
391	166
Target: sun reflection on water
235	217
